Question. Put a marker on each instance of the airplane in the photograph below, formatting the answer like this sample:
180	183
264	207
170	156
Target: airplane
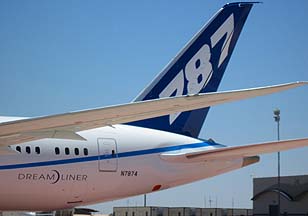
63	161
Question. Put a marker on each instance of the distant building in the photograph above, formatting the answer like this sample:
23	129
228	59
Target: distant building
293	195
179	211
65	212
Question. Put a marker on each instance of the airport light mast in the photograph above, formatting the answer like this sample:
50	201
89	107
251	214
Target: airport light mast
277	119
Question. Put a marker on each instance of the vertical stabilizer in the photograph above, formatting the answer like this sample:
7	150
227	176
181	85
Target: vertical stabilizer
198	68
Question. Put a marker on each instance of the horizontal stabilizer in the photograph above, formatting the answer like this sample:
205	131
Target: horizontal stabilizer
18	131
230	153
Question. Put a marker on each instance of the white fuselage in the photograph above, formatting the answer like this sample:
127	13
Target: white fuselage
115	162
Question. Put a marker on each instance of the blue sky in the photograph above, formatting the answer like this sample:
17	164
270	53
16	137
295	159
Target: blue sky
60	56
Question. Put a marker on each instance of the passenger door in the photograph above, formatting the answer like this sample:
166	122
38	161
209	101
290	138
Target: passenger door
107	155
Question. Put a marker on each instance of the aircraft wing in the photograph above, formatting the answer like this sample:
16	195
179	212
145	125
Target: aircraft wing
66	126
230	153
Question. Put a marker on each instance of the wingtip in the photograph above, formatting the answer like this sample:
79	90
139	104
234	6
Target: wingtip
302	82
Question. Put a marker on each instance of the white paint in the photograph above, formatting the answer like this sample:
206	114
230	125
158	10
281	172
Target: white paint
203	71
177	86
226	28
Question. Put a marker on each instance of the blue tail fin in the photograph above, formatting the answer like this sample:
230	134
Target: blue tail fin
198	68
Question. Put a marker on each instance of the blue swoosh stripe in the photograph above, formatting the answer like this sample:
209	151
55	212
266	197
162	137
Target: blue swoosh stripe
105	157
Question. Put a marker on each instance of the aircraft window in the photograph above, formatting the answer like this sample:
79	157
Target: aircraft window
57	150
113	153
67	151
76	151
37	150
28	150
18	149
85	151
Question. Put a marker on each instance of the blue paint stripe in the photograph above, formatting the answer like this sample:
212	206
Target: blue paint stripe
104	157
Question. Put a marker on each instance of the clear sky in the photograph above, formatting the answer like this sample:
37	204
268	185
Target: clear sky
59	56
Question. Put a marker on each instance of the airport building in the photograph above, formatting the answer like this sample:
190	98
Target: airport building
179	211
293	192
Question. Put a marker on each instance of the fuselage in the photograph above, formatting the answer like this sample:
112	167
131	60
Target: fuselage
115	162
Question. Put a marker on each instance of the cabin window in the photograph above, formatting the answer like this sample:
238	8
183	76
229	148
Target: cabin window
18	149
85	151
67	151
113	153
28	150
57	150
76	151
37	150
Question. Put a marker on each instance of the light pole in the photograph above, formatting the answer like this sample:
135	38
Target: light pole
277	119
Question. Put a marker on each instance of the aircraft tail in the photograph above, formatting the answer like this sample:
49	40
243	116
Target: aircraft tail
198	68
